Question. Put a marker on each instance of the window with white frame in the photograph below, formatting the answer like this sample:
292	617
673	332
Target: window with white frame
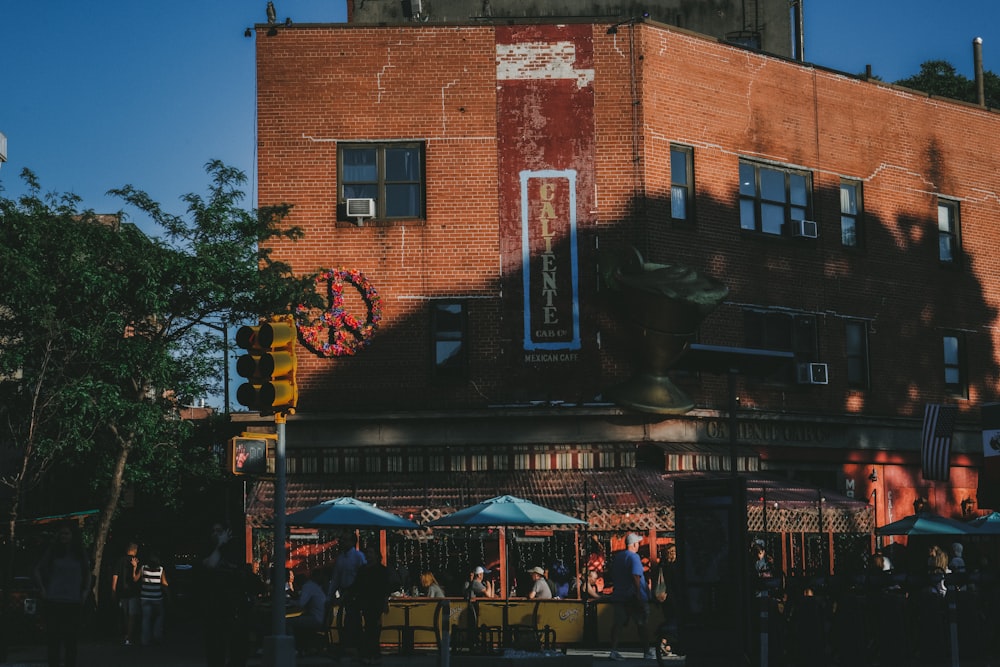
772	198
390	173
856	352
681	183
850	214
955	378
448	333
949	240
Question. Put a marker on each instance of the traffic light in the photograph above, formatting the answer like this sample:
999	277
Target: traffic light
268	366
248	454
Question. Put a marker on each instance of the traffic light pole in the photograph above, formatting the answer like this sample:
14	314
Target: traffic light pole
279	648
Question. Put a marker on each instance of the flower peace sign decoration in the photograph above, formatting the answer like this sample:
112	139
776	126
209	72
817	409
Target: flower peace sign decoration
338	333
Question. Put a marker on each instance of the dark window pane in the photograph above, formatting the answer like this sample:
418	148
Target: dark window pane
678	203
679	167
772	185
402	201
747	183
360	165
747	217
797	187
402	164
773	218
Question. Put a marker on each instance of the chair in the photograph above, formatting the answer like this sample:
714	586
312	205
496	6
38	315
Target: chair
394	621
411	618
521	629
491	618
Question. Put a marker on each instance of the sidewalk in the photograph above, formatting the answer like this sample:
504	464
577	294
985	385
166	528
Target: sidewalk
183	654
186	651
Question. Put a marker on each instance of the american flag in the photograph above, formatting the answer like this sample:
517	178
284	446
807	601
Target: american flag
935	444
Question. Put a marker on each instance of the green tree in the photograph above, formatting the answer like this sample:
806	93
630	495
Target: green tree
104	331
939	77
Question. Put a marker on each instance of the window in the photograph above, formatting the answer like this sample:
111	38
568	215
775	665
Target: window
448	331
955	381
681	183
850	213
783	331
392	174
856	351
948	231
771	198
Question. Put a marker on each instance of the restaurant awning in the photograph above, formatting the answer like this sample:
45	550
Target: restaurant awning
611	500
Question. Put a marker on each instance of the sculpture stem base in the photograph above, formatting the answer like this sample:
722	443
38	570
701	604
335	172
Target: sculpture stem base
651	393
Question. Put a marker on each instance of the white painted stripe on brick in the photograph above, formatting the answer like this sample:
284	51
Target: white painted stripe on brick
529	61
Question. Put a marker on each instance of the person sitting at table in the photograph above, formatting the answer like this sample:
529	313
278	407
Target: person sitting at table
540	589
430	586
475	587
310	607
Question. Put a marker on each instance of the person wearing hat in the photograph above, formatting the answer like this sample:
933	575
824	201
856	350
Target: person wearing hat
630	595
475	587
539	586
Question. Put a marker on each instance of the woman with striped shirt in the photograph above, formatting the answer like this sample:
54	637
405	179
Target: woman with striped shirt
153	590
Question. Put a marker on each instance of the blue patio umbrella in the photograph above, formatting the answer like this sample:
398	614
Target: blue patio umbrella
988	524
507	511
925	523
347	512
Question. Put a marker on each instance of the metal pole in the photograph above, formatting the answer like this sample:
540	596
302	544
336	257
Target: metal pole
732	422
279	647
444	655
225	366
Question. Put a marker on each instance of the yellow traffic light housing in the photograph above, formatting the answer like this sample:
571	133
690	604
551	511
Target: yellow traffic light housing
269	366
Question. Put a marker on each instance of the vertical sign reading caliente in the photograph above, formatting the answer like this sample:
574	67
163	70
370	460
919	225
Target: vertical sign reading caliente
546	149
549	260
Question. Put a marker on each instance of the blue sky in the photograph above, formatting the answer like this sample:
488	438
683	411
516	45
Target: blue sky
99	94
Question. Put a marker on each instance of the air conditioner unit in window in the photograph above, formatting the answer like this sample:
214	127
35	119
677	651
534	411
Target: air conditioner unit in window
807	229
813	373
359	209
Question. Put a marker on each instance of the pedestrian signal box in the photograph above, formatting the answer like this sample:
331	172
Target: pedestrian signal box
248	454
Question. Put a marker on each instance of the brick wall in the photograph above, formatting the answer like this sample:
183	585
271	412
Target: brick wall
318	85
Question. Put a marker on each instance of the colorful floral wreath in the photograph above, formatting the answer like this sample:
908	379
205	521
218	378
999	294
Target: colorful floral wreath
337	333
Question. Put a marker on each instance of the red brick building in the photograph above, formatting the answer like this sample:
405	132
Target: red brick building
851	221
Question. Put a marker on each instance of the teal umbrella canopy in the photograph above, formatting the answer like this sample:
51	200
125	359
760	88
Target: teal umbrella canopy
985	525
347	513
507	511
925	523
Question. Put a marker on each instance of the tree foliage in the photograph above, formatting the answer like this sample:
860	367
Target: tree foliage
939	77
105	331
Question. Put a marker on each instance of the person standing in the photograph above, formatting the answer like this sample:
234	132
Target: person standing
125	591
371	596
153	588
226	588
64	577
630	595
345	571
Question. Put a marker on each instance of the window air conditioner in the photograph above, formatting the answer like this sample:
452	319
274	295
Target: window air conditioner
807	229
813	373
360	209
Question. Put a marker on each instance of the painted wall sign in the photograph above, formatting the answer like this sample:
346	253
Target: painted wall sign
549	260
546	146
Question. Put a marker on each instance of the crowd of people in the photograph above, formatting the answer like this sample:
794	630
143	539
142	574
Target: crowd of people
234	596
